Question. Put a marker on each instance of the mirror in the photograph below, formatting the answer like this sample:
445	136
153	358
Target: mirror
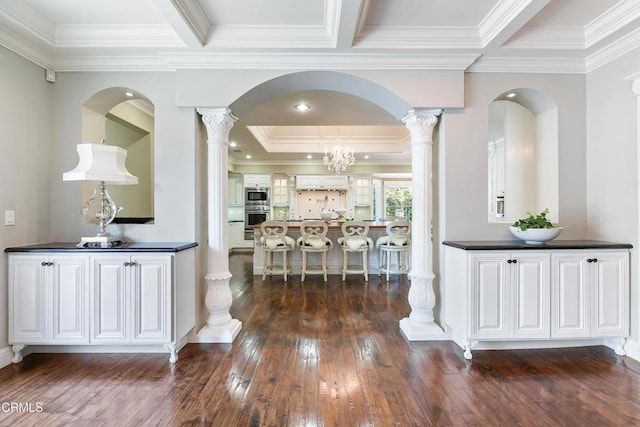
522	156
125	119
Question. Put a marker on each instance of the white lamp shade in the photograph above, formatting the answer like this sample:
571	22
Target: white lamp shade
100	162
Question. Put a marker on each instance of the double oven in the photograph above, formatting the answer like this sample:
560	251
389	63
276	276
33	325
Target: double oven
257	204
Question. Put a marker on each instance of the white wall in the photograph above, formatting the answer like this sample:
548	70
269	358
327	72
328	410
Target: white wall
25	124
612	164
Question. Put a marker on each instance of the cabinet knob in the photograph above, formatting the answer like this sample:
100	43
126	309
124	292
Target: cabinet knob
592	259
129	264
512	261
46	263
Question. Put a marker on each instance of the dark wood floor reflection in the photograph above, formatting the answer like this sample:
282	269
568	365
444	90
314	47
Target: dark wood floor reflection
324	354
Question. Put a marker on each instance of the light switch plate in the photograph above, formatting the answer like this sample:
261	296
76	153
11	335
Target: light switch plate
9	217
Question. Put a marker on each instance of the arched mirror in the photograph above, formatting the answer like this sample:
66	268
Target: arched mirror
522	156
126	119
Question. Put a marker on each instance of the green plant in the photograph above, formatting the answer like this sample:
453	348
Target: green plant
537	221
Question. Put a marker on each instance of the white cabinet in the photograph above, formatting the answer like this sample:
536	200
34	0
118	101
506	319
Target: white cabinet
51	294
131	298
102	300
363	191
510	295
255	180
235	190
517	298
321	182
280	194
236	235
592	294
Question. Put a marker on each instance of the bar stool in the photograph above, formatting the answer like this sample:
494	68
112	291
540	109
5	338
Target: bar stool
314	240
274	240
355	240
397	240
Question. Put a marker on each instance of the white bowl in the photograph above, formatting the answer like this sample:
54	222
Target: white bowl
536	236
326	215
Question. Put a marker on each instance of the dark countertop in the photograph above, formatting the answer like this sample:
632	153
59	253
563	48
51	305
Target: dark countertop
471	245
125	247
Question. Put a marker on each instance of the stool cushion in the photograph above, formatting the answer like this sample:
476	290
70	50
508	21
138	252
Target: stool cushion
392	241
273	242
355	243
314	242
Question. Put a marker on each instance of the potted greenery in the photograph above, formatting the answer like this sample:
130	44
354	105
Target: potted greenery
535	229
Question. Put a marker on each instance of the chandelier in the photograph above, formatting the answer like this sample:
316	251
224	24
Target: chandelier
340	159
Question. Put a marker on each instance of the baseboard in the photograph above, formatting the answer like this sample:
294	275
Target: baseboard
6	354
632	348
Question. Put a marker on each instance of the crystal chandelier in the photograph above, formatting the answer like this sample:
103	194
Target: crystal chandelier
340	159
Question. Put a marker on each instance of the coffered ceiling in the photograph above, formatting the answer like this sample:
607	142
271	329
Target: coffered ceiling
546	36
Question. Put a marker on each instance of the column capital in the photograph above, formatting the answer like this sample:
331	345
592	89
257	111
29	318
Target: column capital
218	122
420	124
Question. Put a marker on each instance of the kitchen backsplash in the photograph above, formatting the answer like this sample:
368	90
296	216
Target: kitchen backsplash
310	202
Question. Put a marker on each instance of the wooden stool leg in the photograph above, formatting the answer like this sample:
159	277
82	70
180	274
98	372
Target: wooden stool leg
388	264
264	267
304	265
324	265
345	254
284	265
365	267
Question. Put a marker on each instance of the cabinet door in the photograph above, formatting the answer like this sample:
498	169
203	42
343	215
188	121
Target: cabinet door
29	292
151	303
489	296
109	299
610	294
70	279
363	191
530	286
569	299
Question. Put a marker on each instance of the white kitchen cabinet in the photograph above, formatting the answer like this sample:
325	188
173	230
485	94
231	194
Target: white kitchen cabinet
255	180
364	195
321	182
510	295
566	294
592	294
236	235
51	294
235	190
280	195
102	300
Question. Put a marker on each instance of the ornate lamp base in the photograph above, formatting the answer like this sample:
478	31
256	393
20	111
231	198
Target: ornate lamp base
99	242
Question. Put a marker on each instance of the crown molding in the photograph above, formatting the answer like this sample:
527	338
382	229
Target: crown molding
257	36
613	51
532	65
92	36
119	63
305	60
26	50
555	38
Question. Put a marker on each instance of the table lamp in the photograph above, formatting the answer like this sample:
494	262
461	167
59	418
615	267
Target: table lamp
102	164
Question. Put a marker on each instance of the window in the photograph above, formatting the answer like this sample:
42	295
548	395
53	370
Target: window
398	200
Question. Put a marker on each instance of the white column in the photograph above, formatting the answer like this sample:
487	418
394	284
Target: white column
220	327
420	325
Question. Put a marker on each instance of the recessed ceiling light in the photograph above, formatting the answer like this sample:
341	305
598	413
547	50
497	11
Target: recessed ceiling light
309	156
129	94
366	157
302	107
511	95
233	144
248	156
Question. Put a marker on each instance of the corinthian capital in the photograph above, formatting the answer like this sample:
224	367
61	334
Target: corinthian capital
420	124
218	122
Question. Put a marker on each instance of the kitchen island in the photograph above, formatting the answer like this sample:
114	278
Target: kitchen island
334	257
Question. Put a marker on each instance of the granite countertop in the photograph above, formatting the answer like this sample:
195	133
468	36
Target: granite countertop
471	245
125	247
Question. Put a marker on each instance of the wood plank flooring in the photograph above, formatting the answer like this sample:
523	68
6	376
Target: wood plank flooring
324	354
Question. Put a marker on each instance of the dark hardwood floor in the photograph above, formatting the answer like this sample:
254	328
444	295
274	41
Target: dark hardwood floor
324	354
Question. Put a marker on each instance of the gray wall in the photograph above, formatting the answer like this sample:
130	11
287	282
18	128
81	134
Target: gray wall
25	129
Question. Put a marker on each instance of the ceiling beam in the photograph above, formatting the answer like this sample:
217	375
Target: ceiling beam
187	19
505	19
347	16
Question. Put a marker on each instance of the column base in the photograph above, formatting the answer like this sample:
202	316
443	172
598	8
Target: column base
220	334
427	332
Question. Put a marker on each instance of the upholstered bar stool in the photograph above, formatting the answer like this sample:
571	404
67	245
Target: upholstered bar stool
397	240
355	240
274	240
314	240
